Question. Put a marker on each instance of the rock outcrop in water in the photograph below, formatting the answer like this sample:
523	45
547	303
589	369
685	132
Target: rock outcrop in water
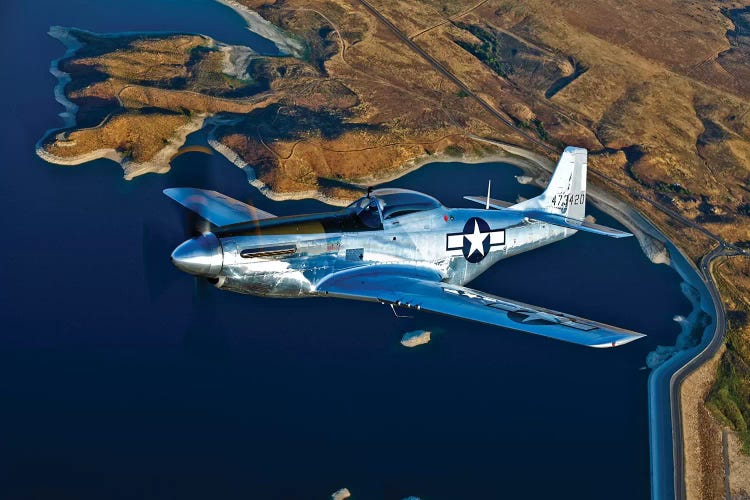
341	494
415	338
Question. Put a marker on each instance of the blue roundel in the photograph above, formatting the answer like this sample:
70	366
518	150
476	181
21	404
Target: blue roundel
476	239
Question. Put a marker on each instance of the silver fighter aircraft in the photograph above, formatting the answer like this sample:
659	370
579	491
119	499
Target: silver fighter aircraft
398	247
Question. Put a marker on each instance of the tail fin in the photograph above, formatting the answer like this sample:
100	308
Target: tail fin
566	191
563	203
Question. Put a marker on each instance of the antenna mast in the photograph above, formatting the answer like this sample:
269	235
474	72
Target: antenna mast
489	186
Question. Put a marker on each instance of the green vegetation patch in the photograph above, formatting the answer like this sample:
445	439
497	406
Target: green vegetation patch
454	150
489	51
729	398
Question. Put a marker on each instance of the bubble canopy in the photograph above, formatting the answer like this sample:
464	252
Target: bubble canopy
394	202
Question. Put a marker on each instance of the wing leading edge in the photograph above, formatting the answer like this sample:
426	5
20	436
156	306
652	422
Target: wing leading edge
398	285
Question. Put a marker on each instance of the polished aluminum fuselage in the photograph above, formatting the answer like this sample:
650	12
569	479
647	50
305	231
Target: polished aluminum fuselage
292	262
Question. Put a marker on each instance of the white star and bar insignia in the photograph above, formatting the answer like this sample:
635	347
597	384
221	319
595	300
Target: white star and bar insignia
476	240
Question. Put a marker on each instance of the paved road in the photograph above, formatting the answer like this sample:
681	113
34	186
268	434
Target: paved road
724	248
708	352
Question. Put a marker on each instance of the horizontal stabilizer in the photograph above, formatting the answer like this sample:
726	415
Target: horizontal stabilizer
216	208
579	225
482	200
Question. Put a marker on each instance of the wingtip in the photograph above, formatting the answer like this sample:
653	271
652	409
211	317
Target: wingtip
623	234
625	339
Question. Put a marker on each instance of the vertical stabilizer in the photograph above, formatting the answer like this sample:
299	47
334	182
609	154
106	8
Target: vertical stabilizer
566	191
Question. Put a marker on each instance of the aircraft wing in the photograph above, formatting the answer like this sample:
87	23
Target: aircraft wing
216	208
422	289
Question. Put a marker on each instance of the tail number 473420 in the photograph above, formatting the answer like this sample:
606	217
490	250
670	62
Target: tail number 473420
562	201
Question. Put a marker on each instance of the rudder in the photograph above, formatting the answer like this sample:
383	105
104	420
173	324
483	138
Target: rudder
566	191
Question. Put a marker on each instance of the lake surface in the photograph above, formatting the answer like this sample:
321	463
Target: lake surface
119	377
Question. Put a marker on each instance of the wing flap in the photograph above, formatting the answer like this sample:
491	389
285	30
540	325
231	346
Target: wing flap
216	208
424	290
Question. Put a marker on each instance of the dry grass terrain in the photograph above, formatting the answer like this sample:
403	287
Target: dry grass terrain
371	106
658	91
135	93
136	135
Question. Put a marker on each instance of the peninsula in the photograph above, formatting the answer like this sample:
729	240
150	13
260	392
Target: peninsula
368	89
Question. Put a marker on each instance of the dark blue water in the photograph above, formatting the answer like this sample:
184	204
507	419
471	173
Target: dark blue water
120	378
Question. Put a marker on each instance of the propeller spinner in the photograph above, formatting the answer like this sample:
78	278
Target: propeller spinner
200	256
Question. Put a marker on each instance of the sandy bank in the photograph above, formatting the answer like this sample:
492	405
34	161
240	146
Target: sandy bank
285	42
236	60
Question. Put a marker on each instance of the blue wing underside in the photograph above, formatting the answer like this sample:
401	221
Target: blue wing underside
401	285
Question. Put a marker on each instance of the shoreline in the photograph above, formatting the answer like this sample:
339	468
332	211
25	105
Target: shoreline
160	162
655	245
232	157
285	43
71	44
236	59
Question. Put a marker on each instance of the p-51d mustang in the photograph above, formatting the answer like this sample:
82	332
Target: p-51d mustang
398	247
